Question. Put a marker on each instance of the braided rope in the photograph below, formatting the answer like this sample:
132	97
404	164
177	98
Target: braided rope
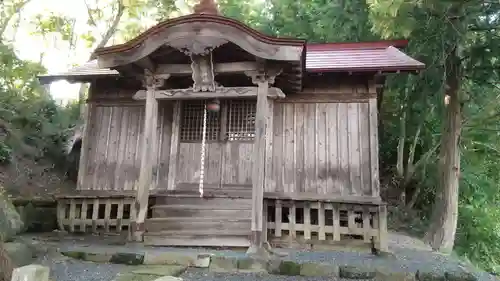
203	144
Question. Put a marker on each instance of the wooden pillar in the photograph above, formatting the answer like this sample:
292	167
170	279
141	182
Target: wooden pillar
149	148
374	147
84	151
262	80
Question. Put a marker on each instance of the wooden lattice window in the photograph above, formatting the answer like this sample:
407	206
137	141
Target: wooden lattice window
236	120
192	122
241	120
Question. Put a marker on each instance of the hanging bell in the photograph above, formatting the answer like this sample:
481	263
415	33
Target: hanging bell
213	106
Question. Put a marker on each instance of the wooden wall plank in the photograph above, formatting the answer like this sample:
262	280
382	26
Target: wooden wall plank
322	167
343	148
321	148
353	148
174	145
290	150
122	145
269	147
308	140
324	147
236	156
333	182
277	152
112	158
165	147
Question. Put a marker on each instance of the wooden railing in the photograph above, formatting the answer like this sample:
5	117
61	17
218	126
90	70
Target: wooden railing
292	221
97	214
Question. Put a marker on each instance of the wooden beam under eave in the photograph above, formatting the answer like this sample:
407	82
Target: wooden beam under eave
146	63
228	67
224	92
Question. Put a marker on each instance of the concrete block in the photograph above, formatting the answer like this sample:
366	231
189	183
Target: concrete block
171	258
202	260
319	269
168	278
394	276
251	265
223	264
160	270
32	272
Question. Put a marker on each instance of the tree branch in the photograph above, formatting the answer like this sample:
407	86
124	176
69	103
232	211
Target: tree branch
112	29
5	22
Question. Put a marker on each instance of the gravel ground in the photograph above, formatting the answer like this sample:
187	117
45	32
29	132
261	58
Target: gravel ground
199	275
403	259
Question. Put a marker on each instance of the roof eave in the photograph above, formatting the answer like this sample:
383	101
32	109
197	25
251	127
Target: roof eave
198	18
390	69
48	79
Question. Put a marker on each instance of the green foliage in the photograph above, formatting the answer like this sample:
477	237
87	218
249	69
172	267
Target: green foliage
35	126
434	28
413	107
411	114
5	154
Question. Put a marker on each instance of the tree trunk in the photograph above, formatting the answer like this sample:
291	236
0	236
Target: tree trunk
441	234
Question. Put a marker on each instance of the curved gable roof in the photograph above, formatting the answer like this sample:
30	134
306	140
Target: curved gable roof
202	29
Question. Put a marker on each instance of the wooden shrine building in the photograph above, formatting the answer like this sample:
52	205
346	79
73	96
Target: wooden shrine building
290	150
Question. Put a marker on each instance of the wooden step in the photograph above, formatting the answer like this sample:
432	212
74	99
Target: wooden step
212	232
165	211
228	203
196	224
192	240
246	194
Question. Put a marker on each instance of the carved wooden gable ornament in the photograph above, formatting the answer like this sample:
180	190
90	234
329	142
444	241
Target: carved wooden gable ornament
196	36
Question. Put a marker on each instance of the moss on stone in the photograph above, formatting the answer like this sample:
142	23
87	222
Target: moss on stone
19	253
74	254
355	272
273	266
460	276
97	257
289	268
127	258
11	222
317	269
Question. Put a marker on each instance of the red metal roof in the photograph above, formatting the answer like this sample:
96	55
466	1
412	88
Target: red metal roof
381	56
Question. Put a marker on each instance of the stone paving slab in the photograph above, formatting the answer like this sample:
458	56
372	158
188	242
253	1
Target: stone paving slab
249	264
